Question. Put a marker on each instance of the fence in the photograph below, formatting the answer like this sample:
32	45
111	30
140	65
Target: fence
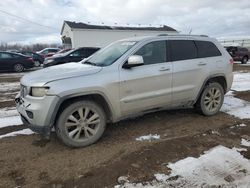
237	42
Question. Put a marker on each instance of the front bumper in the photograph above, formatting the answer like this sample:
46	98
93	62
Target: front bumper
37	112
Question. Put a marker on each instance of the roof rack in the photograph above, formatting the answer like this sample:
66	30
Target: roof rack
183	35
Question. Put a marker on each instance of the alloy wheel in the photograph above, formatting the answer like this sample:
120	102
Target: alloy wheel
212	99
82	124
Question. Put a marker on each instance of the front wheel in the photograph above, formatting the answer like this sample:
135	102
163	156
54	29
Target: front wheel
37	63
81	124
211	99
18	67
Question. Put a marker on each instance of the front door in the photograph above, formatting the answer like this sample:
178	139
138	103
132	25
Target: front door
148	86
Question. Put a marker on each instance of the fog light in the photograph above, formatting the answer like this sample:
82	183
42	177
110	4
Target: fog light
29	114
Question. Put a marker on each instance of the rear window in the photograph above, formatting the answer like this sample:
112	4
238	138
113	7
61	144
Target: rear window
207	49
182	50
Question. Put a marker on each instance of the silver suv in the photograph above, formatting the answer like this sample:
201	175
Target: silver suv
126	78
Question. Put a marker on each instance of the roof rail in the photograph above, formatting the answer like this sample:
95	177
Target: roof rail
183	35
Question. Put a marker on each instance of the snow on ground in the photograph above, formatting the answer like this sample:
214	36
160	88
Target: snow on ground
245	142
218	167
8	111
10	121
236	107
8	86
15	133
149	137
241	81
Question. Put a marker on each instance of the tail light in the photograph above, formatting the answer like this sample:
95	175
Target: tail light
231	61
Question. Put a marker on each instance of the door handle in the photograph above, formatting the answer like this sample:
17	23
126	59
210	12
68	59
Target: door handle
201	63
164	69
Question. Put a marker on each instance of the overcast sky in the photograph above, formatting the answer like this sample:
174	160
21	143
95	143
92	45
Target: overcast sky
216	18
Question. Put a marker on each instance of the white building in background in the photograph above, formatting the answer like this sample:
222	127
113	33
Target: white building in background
76	35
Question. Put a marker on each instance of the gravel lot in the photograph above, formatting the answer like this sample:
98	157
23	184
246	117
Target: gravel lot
183	133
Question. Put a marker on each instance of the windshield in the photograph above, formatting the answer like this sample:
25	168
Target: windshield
110	54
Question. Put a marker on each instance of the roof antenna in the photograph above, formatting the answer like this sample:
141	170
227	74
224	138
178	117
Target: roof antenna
190	31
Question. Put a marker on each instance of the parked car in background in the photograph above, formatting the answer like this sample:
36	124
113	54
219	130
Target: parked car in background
38	59
75	55
47	52
239	53
15	62
127	78
63	51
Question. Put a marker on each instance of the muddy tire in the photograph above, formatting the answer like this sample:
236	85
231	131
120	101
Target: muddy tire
244	60
81	124
211	99
18	67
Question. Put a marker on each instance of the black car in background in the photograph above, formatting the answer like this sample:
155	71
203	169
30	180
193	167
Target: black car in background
15	62
75	55
38	59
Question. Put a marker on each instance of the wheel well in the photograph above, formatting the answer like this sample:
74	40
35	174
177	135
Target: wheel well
246	56
219	79
99	99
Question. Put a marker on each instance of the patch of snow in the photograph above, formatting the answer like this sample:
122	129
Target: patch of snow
241	81
245	142
9	86
240	125
218	167
10	121
161	177
236	107
215	132
15	133
239	149
8	111
149	137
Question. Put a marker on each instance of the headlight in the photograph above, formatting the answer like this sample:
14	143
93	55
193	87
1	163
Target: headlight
39	91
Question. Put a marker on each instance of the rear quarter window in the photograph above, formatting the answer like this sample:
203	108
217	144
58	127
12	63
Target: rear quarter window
182	50
207	49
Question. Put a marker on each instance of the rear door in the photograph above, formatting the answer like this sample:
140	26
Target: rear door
189	71
147	86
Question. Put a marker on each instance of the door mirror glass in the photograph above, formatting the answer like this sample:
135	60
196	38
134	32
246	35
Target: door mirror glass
133	61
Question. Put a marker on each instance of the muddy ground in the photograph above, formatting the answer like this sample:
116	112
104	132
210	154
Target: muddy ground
183	133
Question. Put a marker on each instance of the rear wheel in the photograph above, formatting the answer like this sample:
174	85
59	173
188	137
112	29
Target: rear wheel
211	99
244	60
81	124
18	67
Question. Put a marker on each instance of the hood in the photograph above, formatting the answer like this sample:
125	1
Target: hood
58	72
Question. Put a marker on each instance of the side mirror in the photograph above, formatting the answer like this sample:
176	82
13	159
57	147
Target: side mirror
134	61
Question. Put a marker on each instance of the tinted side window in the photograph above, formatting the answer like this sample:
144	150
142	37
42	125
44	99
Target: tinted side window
207	49
90	51
52	50
5	55
182	50
153	52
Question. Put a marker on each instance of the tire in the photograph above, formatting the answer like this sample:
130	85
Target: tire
18	67
37	63
77	132
244	60
211	99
